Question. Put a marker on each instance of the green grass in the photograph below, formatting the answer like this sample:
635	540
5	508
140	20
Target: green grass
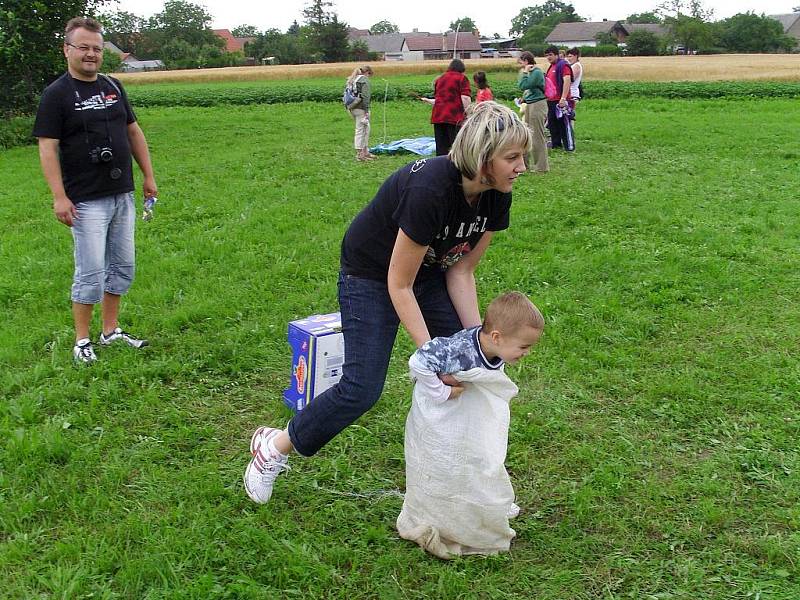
653	445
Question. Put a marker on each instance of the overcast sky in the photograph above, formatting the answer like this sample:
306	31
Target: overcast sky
429	15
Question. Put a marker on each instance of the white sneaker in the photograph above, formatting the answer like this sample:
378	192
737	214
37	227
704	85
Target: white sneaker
265	466
82	352
119	335
261	435
513	511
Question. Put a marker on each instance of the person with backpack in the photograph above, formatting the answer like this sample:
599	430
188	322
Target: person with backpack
557	82
356	99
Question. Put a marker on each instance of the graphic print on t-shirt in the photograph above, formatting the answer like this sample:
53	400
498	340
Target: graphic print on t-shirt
450	258
452	254
97	102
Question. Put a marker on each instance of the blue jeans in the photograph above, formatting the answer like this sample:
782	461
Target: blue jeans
369	326
104	248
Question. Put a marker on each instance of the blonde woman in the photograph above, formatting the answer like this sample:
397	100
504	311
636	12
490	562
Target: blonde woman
409	257
359	110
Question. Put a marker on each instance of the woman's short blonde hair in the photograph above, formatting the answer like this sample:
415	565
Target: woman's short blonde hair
489	129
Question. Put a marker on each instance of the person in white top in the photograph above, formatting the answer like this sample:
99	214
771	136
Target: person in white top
574	60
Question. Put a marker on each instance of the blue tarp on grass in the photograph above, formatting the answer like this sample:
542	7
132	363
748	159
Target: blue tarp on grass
424	146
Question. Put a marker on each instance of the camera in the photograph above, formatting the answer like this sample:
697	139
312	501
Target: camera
101	154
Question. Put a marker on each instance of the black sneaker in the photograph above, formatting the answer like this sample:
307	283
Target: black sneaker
119	335
82	352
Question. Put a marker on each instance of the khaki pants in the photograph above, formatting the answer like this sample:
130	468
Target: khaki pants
361	140
535	118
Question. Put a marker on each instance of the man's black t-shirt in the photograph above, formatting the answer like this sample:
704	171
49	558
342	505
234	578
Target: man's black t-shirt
72	110
425	199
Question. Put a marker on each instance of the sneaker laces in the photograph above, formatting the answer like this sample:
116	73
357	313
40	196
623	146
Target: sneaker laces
85	350
272	468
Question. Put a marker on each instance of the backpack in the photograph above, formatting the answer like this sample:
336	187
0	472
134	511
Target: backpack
350	94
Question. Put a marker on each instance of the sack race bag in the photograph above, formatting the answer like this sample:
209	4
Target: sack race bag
458	492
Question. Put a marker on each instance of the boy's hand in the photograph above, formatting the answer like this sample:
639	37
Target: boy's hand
455	391
456	387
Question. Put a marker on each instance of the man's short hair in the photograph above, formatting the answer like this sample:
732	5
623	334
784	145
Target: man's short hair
511	312
574	52
489	128
551	50
82	23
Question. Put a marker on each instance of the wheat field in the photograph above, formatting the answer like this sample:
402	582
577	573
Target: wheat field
719	67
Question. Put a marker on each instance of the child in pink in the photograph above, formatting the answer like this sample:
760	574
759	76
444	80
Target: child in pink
484	91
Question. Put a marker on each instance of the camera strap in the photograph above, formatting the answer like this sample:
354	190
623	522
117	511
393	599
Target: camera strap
115	171
79	101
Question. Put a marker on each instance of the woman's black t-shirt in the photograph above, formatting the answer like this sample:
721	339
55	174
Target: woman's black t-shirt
424	199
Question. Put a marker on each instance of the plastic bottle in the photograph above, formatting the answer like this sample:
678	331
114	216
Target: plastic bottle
149	206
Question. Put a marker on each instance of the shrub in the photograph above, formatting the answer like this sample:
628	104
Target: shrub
602	50
16	131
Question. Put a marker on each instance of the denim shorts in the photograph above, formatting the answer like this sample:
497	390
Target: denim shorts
104	247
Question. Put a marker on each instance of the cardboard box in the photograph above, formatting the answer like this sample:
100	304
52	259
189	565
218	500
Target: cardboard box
317	358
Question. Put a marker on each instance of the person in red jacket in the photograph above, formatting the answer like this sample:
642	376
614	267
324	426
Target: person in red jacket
450	100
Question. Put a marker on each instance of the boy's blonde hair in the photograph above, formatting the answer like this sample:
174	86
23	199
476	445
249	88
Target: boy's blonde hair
511	312
489	129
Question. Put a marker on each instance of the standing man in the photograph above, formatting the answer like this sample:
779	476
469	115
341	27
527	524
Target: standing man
556	89
87	133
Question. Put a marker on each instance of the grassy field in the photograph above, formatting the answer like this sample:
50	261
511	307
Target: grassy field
653	445
721	67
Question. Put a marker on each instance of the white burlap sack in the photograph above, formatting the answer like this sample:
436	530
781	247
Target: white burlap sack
458	492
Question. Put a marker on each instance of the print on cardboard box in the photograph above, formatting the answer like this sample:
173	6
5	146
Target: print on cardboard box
317	358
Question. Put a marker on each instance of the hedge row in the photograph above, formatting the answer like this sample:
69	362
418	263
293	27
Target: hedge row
16	131
280	92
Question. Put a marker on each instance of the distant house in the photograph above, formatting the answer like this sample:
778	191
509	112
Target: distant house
131	64
500	43
388	46
791	24
233	44
439	46
654	28
585	33
499	48
111	47
416	46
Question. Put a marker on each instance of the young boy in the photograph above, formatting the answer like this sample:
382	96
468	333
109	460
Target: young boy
458	494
